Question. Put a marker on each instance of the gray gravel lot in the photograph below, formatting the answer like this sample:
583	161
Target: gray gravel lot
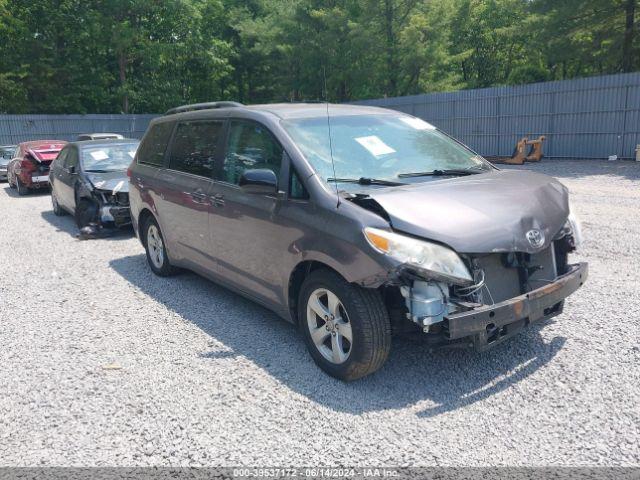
102	363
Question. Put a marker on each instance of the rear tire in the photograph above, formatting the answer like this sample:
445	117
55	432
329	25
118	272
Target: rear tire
330	311
156	250
57	209
22	190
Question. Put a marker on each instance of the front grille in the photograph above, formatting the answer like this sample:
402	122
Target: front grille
547	272
507	275
501	283
121	199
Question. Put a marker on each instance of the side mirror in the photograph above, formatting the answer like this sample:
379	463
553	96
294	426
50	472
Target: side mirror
261	181
71	169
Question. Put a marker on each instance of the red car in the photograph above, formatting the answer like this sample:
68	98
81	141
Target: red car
30	168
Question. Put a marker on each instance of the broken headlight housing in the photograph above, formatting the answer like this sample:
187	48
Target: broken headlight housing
435	261
573	224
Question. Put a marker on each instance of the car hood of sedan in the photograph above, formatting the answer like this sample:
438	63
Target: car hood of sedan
483	213
111	181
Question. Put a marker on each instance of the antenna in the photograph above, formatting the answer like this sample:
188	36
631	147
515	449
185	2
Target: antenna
326	100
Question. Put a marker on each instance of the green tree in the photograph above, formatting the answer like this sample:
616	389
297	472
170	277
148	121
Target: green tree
587	37
488	40
75	56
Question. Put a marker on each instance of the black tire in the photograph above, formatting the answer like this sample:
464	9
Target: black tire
57	209
86	213
370	325
11	184
22	190
160	266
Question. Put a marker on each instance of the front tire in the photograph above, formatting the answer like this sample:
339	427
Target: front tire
346	327
86	213
156	250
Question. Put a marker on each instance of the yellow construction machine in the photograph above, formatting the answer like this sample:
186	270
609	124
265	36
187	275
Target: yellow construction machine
520	154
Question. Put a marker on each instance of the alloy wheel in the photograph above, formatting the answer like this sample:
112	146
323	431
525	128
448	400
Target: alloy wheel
155	246
329	326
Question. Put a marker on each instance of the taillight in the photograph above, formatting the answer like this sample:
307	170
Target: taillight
27	166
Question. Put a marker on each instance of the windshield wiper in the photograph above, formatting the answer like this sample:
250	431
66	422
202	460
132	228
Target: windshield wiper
366	181
444	173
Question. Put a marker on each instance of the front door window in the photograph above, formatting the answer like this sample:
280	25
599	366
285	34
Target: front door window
250	146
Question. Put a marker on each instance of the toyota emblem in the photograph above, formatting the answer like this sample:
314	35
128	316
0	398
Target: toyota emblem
536	238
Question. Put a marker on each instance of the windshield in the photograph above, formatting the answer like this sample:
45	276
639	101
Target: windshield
108	158
378	146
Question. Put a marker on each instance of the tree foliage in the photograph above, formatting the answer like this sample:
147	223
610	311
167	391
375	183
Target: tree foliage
111	56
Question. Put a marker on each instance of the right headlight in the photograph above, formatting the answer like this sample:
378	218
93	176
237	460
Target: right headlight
438	262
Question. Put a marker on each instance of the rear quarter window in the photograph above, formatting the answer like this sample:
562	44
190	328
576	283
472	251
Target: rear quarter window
194	147
154	144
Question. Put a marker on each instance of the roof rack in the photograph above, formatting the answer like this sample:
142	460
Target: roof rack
202	106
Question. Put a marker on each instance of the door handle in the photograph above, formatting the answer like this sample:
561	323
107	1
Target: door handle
217	200
198	197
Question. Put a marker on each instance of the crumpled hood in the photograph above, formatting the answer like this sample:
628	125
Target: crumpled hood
112	181
482	213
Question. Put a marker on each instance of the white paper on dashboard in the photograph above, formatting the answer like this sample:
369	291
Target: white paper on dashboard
376	146
99	155
417	123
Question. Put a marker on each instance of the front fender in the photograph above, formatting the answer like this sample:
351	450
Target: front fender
361	269
83	190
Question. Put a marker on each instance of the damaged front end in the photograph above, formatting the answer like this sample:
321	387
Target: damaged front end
479	299
102	203
509	292
113	207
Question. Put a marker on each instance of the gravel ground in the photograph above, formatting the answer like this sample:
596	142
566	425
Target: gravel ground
103	363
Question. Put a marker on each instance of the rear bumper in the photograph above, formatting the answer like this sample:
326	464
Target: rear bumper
489	325
35	179
39	184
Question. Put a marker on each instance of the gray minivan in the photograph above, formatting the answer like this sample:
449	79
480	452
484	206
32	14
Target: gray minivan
355	223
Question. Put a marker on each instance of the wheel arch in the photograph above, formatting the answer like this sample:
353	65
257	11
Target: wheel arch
143	216
81	192
297	276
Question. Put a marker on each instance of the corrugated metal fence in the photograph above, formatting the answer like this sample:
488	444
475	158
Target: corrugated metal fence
21	128
585	118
